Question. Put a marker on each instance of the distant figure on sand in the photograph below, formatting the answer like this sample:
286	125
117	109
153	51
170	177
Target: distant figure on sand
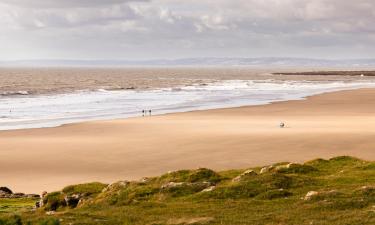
143	112
150	112
282	125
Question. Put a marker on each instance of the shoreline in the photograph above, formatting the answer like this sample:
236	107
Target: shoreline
320	126
57	118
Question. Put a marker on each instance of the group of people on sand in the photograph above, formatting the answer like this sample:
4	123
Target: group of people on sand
146	112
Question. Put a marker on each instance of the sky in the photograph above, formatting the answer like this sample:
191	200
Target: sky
172	29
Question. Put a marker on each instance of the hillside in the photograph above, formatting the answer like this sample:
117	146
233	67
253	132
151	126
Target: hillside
200	61
336	191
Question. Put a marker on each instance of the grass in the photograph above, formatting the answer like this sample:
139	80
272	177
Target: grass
16	205
345	186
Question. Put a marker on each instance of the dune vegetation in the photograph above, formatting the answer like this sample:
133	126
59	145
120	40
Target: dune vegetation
338	191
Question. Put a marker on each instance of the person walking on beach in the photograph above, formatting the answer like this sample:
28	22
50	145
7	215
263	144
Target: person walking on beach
150	112
143	113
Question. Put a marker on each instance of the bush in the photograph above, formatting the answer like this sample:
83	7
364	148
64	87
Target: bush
54	201
49	221
186	189
12	220
85	189
298	169
273	194
202	175
199	175
175	176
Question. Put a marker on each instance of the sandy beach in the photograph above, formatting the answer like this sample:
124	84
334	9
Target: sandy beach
340	123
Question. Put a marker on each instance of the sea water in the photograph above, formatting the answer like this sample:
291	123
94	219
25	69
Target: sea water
28	111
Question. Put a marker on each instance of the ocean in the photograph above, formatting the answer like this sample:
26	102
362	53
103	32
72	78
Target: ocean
164	93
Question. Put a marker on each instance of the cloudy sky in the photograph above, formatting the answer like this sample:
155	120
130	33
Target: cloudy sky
150	29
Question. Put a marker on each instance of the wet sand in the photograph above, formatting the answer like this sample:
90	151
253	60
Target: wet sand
340	123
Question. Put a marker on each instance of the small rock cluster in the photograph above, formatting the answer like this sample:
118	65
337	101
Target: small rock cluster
246	174
7	193
323	194
201	185
284	167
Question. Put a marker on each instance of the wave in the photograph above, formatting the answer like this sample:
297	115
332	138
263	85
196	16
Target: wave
14	93
54	110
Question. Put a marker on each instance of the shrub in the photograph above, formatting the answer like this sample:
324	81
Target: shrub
199	175
85	189
49	221
175	176
53	201
273	194
186	189
202	175
12	220
298	169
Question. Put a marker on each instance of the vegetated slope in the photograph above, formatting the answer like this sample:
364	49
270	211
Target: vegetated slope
336	191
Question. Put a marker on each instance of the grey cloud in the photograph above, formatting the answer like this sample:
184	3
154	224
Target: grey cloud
187	28
64	3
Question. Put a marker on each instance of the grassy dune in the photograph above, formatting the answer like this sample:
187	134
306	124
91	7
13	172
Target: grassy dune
341	191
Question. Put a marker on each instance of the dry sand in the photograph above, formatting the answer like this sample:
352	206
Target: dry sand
340	123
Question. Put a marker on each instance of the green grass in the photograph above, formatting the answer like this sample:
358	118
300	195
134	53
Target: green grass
16	205
346	188
87	189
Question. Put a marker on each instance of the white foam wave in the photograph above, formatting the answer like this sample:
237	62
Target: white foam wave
54	110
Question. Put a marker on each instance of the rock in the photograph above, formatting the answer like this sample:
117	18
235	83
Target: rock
116	186
73	200
209	189
32	196
247	173
144	180
44	194
81	202
5	190
367	188
194	187
3	195
18	195
172	185
50	213
266	169
310	195
286	166
7	193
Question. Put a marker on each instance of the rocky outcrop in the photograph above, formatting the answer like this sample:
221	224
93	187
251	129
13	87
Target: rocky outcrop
244	175
116	186
310	195
7	193
5	190
209	189
173	185
314	195
72	200
187	187
266	169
